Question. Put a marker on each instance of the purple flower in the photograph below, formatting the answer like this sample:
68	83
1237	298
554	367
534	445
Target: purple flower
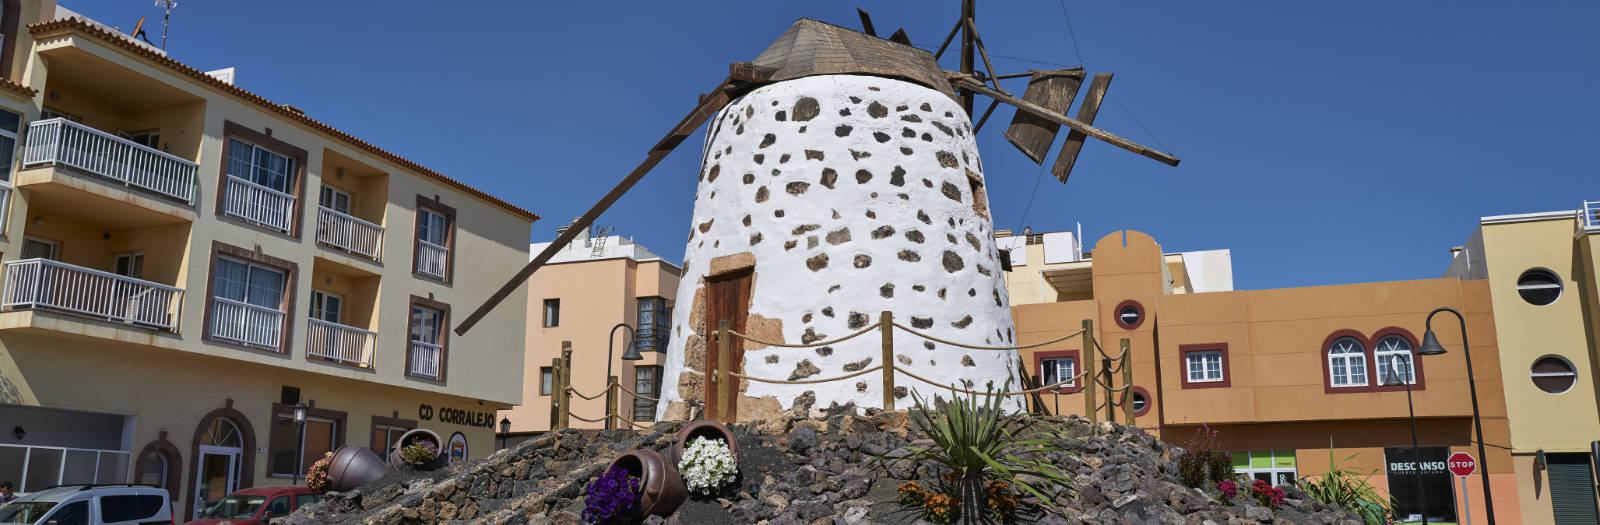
611	497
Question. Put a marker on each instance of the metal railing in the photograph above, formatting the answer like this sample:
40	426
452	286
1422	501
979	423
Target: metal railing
258	204
34	468
1590	220
63	142
343	231
343	344
431	259
425	359
246	323
53	285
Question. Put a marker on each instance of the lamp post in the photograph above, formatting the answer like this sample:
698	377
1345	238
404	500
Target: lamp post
300	439
1431	346
631	354
505	430
1416	451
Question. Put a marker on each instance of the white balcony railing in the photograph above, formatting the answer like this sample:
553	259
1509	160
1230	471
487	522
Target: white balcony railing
431	259
258	204
246	323
63	142
1590	221
52	285
425	359
336	342
348	233
36	468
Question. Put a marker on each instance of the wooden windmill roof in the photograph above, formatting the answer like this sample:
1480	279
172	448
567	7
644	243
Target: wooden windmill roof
812	47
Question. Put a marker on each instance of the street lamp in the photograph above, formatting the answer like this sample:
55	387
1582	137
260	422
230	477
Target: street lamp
1431	346
1416	452
505	430
300	441
631	354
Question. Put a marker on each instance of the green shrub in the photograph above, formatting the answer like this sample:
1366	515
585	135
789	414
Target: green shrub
1350	491
1220	467
1201	460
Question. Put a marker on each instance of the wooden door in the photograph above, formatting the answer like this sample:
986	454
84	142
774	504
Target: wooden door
727	298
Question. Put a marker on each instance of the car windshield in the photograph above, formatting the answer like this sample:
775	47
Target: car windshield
25	511
235	506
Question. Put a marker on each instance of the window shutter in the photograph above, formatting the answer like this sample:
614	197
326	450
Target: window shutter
1571	489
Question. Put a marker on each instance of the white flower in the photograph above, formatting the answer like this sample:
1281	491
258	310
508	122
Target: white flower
707	465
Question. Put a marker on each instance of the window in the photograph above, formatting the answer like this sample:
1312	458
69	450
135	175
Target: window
547	380
325	306
321	436
1539	286
75	513
335	199
264	168
130	264
434	253
301	500
654	317
425	324
9	124
426	356
40	249
647	382
1204	366
247	303
1272	466
431	227
249	283
1347	362
552	312
1057	369
129	507
1394	360
386	434
1129	315
153	470
1553	374
148	138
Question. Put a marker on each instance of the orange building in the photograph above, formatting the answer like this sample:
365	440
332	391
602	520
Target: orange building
1292	379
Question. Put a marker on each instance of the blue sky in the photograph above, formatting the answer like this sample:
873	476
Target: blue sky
1322	142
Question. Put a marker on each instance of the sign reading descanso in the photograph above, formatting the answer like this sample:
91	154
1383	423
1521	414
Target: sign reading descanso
456	416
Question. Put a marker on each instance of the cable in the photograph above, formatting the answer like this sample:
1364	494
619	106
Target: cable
1070	33
1024	219
1141	125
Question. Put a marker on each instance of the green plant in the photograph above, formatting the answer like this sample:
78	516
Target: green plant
1202	460
1219	467
941	508
419	451
911	494
1350	491
977	442
707	465
317	475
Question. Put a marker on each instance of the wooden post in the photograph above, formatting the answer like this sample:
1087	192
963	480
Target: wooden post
886	327
724	388
1127	382
611	406
1088	377
566	384
555	394
1111	395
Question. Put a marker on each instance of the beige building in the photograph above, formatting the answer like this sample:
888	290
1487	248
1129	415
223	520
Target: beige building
1541	270
184	261
590	288
1054	266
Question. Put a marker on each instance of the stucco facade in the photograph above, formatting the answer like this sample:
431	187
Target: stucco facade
176	255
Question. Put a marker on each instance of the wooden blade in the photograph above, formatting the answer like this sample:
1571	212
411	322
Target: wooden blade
866	22
968	83
900	36
1075	138
709	105
1052	90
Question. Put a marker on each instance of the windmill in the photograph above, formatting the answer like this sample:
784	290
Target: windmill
840	178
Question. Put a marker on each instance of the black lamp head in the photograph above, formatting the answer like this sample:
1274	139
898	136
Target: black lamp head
632	354
1430	345
300	412
505	425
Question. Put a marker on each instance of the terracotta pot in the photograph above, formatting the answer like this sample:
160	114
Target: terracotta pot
439	461
702	428
663	490
352	467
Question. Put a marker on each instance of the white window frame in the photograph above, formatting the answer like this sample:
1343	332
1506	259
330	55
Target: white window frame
547	380
552	316
10	160
256	154
1355	363
1206	368
161	476
329	198
135	264
1390	347
283	279
1057	364
433	224
415	324
319	310
55	247
1573	374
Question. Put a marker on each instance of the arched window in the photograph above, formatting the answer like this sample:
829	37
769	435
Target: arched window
221	433
153	469
1395	360
1347	362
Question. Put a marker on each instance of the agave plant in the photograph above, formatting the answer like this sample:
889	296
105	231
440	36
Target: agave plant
979	442
1350	491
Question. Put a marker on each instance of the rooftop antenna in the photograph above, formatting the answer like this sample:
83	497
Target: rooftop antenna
165	18
138	31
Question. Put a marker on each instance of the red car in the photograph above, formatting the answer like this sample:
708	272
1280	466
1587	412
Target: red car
254	506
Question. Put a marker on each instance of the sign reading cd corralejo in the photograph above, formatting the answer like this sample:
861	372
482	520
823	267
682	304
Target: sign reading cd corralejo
456	416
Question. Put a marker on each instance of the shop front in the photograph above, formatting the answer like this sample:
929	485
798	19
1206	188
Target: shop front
1420	483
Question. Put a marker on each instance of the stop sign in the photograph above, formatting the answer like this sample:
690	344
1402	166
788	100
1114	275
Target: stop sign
1462	464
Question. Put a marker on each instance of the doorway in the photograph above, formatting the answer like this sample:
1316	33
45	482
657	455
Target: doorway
727	298
217	464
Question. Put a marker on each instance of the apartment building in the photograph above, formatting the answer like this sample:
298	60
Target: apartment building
598	293
1292	379
1541	270
185	261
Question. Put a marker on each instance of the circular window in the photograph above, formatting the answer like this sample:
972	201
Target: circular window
1553	374
1139	402
1539	286
1129	315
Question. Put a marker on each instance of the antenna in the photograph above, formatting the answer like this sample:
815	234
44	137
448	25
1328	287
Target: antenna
165	18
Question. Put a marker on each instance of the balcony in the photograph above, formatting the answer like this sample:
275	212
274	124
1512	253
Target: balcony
424	359
246	323
50	285
431	259
345	232
61	142
341	344
1590	220
258	204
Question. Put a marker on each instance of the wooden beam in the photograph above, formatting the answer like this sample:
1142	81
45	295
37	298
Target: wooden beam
966	82
900	36
992	104
973	27
947	40
1086	113
866	22
709	105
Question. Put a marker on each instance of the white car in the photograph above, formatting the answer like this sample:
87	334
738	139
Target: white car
91	505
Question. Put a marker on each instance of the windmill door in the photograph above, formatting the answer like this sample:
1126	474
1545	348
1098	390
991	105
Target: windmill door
727	298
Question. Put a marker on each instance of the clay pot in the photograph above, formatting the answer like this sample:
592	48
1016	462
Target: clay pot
702	428
412	435
663	490
352	467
